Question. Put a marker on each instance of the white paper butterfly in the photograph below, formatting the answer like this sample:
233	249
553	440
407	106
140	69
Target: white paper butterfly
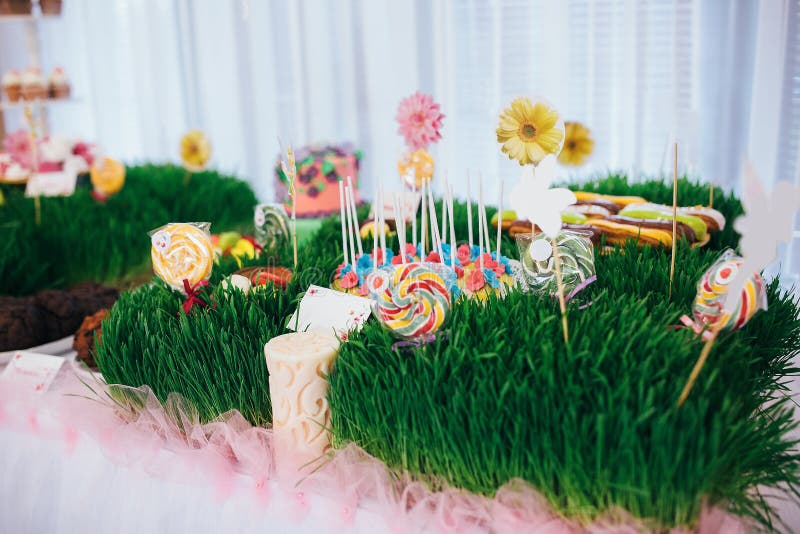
533	199
767	221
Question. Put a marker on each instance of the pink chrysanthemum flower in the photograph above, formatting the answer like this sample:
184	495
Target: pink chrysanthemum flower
420	119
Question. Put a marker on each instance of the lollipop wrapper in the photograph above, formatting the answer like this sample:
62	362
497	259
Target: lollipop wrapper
412	301
182	251
712	291
537	272
271	225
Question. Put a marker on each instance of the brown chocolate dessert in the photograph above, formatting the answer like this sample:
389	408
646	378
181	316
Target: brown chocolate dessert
84	338
50	315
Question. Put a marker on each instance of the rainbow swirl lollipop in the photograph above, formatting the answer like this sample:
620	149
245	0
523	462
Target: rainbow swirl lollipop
712	291
411	300
182	251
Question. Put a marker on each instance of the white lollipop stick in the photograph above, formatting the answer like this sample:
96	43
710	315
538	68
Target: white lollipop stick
350	225
469	213
452	228
398	226
355	215
414	217
499	220
383	223
480	238
375	229
444	212
423	231
344	231
436	243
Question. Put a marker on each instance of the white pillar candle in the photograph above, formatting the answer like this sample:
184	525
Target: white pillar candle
298	365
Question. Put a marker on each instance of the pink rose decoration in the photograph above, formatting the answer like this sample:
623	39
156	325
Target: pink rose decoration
397	260
411	250
377	256
434	257
459	272
475	280
463	254
420	120
349	280
18	145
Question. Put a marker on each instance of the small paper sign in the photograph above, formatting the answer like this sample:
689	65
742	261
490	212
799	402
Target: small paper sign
325	310
411	199
32	371
51	184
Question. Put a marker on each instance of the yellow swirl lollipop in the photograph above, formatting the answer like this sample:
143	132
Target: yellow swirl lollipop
182	251
107	176
195	150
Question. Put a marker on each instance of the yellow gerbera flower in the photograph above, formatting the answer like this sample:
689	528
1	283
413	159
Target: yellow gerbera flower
530	132
578	144
195	150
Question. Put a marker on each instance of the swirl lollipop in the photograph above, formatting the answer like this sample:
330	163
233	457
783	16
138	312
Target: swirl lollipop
414	302
538	263
272	225
107	177
713	288
182	251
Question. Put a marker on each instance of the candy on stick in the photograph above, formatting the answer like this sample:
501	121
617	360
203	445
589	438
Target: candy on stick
713	290
538	261
344	224
182	251
413	301
272	226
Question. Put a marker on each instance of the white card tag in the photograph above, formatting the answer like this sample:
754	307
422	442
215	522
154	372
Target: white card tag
51	184
32	371
325	310
412	204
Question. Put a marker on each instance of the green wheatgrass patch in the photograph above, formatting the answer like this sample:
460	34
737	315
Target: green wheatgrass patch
81	239
593	425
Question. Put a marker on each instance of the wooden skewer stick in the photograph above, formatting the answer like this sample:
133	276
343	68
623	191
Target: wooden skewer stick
674	219
711	195
698	366
562	304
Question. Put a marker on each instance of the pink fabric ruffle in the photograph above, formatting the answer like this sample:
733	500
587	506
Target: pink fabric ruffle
134	428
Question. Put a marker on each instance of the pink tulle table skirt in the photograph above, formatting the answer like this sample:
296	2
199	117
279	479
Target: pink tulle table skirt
72	447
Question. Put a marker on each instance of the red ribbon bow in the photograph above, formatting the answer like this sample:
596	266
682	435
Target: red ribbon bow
193	295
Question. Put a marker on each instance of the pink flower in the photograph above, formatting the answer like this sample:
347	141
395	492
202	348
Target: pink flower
397	260
420	120
411	250
433	257
349	280
463	254
84	150
475	280
19	146
459	272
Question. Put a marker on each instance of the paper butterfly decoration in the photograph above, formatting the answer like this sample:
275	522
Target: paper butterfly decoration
766	223
533	199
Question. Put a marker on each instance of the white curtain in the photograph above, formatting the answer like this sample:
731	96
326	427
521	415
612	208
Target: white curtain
640	73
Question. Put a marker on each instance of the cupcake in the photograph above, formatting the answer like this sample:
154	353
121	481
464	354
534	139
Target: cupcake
50	7
59	84
33	86
16	7
12	85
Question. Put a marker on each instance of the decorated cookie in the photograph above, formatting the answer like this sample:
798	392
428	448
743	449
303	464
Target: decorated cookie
182	251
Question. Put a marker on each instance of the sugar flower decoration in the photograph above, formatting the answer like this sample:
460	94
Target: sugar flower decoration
195	150
533	199
420	120
578	144
530	131
766	223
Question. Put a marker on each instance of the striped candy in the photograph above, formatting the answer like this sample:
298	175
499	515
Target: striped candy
713	288
415	302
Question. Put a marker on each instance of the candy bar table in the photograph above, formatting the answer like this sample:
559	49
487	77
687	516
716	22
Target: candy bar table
68	468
